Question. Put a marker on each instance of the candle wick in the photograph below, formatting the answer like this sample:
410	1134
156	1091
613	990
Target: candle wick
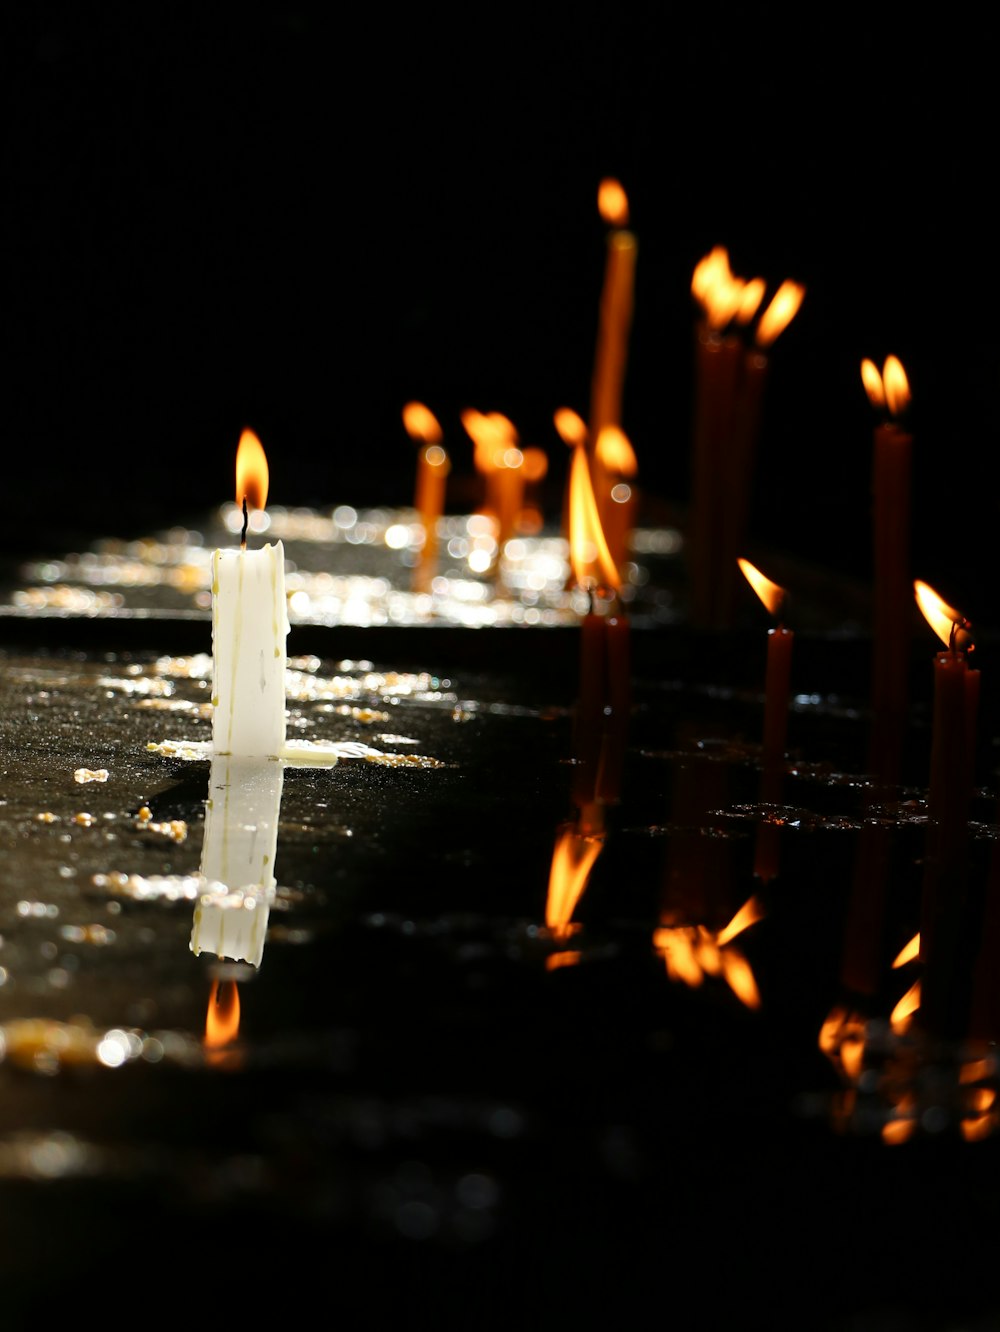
246	521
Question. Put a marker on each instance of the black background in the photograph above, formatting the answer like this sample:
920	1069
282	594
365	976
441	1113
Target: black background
298	218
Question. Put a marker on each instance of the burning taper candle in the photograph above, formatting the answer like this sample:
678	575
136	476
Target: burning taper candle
249	627
615	321
433	466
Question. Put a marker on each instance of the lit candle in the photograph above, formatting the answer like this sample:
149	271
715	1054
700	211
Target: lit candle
237	859
776	694
499	461
944	897
617	503
617	298
433	466
605	683
891	485
249	627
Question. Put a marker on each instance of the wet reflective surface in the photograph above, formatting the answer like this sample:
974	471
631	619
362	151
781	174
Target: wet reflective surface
422	1074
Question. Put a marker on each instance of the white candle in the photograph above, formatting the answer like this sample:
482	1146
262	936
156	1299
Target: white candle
237	859
249	627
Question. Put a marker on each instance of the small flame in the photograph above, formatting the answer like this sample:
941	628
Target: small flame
251	472
908	952
421	424
780	313
904	1010
842	1040
872	381
572	860
736	970
897	386
710	272
950	625
749	913
615	453
587	544
222	1022
770	593
570	426
534	464
612	203
750	299
492	436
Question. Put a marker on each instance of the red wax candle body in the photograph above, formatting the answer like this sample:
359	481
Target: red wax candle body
891	487
602	708
617	299
944	898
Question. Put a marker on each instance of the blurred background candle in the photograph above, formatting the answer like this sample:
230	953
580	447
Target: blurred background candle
249	627
617	502
433	466
615	321
889	394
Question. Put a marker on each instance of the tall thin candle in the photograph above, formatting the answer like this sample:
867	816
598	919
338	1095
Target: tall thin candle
617	299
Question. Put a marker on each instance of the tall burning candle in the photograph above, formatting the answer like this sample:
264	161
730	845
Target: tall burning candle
889	393
615	322
433	466
249	627
953	748
604	700
777	688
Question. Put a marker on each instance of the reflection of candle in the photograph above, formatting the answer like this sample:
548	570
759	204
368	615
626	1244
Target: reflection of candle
944	897
433	466
237	859
249	626
891	539
615	311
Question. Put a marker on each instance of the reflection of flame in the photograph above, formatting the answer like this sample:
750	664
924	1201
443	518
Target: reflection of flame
576	850
587	543
251	471
570	426
692	952
770	593
615	453
780	313
842	1040
950	625
899	1018
222	1021
612	203
421	424
908	952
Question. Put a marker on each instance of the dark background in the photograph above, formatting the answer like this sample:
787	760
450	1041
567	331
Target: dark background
297	218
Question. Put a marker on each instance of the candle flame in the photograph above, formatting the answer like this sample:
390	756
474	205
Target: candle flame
950	625
872	381
904	1010
534	464
612	203
780	313
897	386
569	426
222	1021
713	285
492	435
750	299
908	952
572	860
770	593
251	472
587	544
709	272
615	453
749	913
421	424
692	952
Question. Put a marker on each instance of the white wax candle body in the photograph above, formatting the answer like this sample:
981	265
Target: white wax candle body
238	854
249	627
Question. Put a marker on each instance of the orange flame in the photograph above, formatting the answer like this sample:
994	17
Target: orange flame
612	203
770	593
421	424
251	471
535	464
897	386
615	453
872	381
908	952
749	913
842	1040
710	272
572	860
587	544
692	952
569	426
222	1022
950	625
780	313
750	299
904	1010
492	436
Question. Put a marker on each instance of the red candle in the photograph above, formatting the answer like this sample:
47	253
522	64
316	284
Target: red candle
891	486
777	688
944	897
615	321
